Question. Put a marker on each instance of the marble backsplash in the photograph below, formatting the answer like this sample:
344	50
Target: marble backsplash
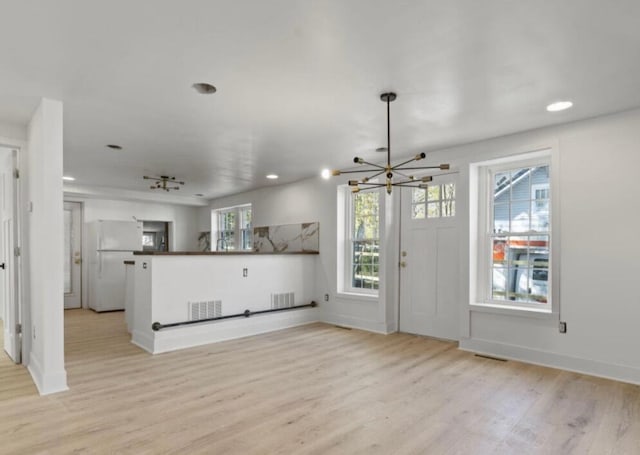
287	238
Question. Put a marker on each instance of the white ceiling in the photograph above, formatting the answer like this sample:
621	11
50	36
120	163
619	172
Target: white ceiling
299	81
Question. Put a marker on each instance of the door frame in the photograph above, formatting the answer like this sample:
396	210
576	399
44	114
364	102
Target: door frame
20	311
79	231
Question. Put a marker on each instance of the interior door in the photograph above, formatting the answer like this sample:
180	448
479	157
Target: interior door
72	255
8	275
429	260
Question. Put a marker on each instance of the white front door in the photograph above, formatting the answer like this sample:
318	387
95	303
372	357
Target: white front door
429	261
72	255
8	262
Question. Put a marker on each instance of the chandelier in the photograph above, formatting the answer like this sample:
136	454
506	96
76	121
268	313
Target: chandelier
396	175
163	183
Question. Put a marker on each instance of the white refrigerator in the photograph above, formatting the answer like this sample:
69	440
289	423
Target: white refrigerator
110	243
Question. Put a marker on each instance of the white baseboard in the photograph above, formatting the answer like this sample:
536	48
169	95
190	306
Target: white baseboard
142	340
357	323
47	382
175	338
551	359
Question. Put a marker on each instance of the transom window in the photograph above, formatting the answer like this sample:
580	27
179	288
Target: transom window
436	201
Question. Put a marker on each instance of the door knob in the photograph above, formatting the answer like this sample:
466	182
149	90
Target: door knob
403	264
404	254
78	261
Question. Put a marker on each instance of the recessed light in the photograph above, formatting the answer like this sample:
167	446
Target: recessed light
272	176
559	106
204	88
114	146
326	174
68	178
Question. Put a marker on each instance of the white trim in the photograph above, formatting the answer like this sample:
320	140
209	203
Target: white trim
551	359
353	322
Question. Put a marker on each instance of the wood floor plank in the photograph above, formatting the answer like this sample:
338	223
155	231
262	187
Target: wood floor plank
315	389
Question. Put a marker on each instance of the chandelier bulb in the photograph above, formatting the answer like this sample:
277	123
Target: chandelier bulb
335	173
427	178
444	167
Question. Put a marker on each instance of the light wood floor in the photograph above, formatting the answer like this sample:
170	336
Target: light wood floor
316	389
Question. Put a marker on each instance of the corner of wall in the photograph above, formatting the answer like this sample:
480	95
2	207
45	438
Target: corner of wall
49	382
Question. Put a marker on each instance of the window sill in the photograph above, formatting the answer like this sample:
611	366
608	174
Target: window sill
540	313
368	298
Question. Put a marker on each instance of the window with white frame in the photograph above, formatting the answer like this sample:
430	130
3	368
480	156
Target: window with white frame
233	228
515	234
362	242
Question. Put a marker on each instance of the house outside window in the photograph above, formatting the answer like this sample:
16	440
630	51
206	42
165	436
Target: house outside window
233	228
514	233
520	235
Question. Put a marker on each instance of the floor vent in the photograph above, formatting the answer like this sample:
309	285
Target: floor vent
282	300
205	310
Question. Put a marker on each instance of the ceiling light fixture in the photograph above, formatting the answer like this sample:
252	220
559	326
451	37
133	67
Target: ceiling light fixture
389	170
204	89
163	183
272	176
68	178
114	146
559	106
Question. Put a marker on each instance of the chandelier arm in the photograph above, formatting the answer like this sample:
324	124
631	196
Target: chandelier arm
397	166
373	164
359	171
401	173
419	167
375	175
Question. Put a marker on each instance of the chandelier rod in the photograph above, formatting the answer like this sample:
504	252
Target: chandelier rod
388	131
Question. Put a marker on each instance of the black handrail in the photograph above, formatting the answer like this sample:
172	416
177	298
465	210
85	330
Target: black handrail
158	326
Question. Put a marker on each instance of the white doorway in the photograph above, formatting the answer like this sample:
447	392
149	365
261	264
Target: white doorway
72	255
429	260
9	255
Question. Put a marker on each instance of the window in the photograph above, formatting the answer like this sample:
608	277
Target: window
436	201
514	260
365	243
233	228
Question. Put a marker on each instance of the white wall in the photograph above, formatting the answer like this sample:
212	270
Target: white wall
17	133
183	231
45	248
599	298
316	200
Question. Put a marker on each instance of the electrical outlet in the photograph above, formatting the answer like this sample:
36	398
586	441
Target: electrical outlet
326	297
562	327
245	272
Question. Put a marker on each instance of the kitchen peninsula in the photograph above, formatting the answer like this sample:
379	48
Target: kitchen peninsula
173	287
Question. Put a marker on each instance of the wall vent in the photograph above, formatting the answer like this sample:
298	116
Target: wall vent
282	300
205	310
